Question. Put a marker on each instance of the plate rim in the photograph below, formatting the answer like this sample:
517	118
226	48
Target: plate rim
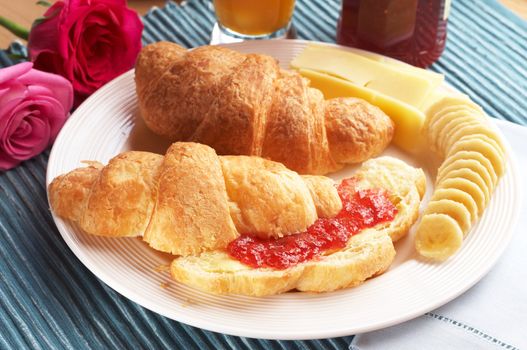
338	331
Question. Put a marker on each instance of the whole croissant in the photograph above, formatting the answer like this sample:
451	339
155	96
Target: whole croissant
191	200
244	104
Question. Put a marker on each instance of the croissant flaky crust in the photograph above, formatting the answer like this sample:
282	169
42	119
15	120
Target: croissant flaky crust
193	203
191	200
366	254
244	104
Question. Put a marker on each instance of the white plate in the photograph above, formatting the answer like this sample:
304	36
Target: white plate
108	123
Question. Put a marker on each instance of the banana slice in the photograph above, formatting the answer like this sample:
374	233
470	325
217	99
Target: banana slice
459	196
473	177
467	186
434	126
471	164
475	128
438	236
453	124
482	146
454	209
471	155
450	103
440	129
433	117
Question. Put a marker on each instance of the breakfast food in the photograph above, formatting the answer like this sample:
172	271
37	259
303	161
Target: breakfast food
408	119
364	255
473	160
220	214
244	104
403	82
191	200
249	225
398	89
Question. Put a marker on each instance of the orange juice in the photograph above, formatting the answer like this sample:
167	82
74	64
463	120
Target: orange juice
254	17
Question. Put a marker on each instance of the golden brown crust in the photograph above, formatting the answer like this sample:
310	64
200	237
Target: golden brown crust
68	193
190	200
234	122
325	195
295	134
245	105
356	129
196	76
265	198
191	213
121	200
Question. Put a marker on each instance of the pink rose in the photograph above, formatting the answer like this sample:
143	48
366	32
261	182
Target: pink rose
89	42
33	107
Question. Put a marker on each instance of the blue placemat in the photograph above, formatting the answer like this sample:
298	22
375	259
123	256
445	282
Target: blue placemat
48	299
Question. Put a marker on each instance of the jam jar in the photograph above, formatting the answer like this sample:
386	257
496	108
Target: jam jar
413	31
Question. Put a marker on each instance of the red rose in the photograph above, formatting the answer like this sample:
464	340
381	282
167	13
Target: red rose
89	42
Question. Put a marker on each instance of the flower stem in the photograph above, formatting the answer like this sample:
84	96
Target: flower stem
14	28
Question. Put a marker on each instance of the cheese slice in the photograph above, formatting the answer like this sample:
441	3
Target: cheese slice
408	119
395	79
437	78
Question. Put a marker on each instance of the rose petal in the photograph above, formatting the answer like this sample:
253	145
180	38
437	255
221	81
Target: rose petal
56	86
10	99
55	115
13	72
31	145
44	36
12	123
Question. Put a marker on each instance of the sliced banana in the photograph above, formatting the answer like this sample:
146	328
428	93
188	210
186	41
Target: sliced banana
471	155
450	103
467	186
474	128
441	129
453	134
482	146
453	209
438	236
459	196
472	176
471	164
439	114
434	127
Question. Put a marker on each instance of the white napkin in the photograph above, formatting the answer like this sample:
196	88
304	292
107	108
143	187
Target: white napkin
492	314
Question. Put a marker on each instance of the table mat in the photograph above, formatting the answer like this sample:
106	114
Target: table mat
48	299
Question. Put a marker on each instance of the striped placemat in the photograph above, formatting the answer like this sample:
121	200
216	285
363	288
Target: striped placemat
48	299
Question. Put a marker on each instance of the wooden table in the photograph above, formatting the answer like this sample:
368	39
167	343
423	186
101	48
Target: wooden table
25	12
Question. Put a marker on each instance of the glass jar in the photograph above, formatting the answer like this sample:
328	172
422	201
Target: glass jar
413	31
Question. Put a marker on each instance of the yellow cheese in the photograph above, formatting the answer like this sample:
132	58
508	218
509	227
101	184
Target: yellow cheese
398	80
408	119
436	78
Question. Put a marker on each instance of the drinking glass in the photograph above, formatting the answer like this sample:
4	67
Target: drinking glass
252	19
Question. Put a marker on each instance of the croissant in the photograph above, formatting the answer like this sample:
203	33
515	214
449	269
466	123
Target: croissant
244	104
191	200
193	203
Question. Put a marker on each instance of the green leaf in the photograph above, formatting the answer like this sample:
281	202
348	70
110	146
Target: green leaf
43	3
14	28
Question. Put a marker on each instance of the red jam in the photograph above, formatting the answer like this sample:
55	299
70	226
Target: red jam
360	209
